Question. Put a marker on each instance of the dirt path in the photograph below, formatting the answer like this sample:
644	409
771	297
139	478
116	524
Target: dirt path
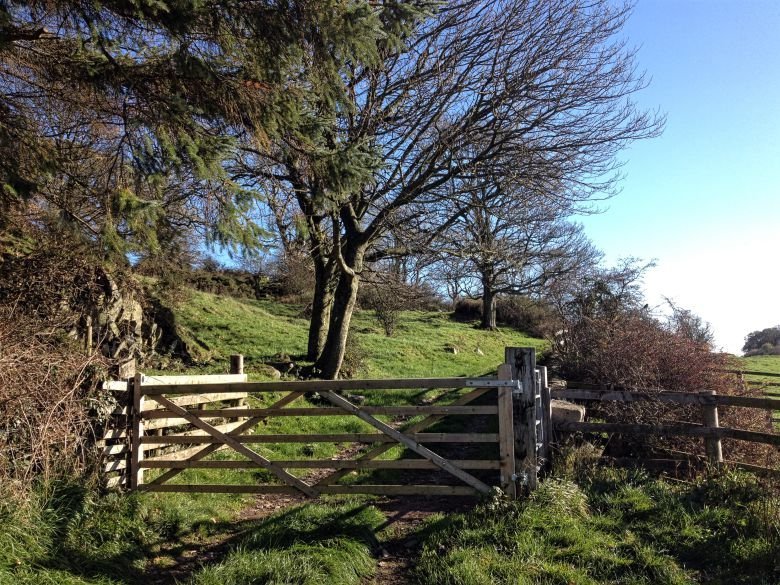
399	536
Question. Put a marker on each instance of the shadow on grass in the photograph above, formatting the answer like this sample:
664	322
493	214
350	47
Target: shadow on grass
328	542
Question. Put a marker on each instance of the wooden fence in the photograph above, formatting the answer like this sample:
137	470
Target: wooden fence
174	423
770	388
161	415
115	445
710	429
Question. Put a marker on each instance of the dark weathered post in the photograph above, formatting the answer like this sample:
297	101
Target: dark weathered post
506	434
712	444
523	363
237	364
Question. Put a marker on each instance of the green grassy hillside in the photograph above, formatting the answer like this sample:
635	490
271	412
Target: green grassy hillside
423	344
763	363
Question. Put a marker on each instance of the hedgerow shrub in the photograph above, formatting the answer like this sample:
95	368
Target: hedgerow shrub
467	310
49	403
293	275
610	340
530	316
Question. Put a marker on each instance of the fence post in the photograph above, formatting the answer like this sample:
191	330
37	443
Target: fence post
506	434
712	444
546	417
237	364
137	431
237	367
523	363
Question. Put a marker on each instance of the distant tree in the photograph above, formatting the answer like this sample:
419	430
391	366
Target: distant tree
511	241
600	293
763	342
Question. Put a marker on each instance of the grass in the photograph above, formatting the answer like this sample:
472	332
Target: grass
762	363
612	526
592	526
67	534
421	346
769	384
319	543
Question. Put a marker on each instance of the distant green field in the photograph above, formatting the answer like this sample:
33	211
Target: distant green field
763	363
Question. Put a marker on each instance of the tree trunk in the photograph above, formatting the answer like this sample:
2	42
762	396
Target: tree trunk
325	273
324	284
329	362
488	307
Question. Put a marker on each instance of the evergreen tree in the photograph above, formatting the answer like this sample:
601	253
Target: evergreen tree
116	116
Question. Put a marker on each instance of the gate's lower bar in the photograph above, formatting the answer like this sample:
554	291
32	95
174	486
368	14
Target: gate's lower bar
329	438
322	464
379	490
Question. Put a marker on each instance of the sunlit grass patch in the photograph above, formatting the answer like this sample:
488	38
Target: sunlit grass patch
613	526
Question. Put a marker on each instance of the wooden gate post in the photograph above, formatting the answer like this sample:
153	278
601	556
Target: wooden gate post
506	434
237	364
546	416
523	363
237	367
136	476
712	444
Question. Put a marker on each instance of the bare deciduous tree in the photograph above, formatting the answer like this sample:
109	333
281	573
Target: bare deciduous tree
506	242
538	91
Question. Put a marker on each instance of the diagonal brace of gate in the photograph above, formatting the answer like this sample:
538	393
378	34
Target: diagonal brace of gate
206	451
286	477
428	421
436	459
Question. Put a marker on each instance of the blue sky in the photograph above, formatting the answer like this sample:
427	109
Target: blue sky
703	200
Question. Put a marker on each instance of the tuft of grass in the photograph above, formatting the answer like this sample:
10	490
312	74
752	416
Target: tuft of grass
65	533
613	526
337	562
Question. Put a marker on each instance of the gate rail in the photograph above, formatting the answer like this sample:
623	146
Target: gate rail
240	438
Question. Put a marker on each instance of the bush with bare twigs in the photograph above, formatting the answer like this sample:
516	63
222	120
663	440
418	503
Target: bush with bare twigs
48	402
293	275
387	294
611	341
48	399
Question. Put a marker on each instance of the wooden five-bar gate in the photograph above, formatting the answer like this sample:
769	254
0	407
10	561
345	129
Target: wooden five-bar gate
515	397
